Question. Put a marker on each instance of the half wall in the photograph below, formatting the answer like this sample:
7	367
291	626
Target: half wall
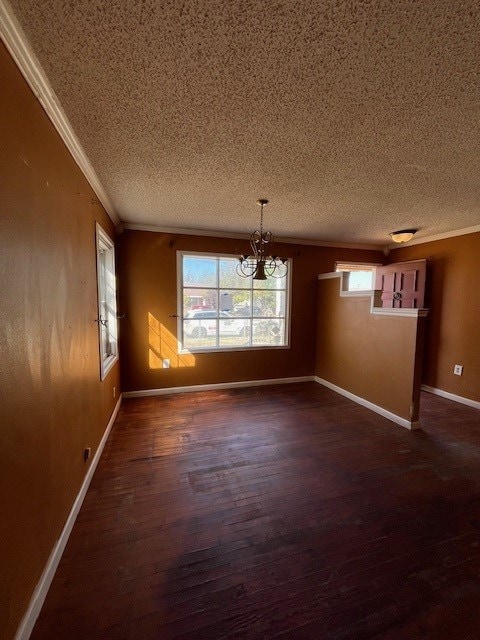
369	353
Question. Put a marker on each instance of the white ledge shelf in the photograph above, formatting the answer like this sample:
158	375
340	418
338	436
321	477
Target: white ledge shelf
375	296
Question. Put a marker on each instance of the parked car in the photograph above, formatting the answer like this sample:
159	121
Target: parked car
244	310
200	324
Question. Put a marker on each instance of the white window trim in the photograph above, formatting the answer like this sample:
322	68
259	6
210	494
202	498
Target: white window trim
358	264
207	254
101	237
348	263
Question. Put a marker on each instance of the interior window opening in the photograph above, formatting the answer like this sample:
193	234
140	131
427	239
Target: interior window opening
362	275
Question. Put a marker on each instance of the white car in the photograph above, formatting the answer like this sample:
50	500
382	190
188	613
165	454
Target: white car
200	324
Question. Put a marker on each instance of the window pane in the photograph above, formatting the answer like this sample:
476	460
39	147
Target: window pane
236	303
199	272
199	334
222	310
234	332
360	280
107	312
268	303
268	332
228	274
196	300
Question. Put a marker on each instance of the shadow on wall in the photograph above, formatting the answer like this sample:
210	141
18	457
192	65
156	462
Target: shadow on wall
164	345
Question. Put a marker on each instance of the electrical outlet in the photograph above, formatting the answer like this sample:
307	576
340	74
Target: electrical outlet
86	453
166	363
458	369
114	391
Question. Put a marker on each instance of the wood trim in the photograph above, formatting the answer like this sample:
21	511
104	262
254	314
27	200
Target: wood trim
17	44
451	396
40	593
216	386
403	422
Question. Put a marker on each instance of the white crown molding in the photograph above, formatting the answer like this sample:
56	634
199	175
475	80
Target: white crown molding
245	236
403	422
17	44
40	593
451	396
438	236
215	387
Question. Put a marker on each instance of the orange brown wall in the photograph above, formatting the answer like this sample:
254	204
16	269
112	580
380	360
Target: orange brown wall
375	357
452	334
53	404
148	298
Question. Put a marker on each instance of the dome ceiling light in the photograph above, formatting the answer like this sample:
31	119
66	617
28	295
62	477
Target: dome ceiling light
402	236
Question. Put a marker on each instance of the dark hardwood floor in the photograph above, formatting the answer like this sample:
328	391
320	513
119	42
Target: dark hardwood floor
279	512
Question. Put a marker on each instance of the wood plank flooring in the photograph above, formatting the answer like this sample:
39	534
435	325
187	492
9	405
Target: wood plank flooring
280	512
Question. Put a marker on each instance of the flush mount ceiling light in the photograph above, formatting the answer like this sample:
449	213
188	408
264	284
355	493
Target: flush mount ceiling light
402	236
262	263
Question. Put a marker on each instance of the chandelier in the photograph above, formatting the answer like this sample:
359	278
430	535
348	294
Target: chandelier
262	263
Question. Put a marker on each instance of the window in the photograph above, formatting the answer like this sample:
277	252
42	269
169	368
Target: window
107	304
362	275
218	309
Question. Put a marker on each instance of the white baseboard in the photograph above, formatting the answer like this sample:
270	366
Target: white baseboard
451	396
41	590
403	422
214	387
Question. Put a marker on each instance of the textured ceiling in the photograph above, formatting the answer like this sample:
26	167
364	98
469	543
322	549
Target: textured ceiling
354	118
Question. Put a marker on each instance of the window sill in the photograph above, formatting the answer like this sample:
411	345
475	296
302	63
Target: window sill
357	293
106	365
230	349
